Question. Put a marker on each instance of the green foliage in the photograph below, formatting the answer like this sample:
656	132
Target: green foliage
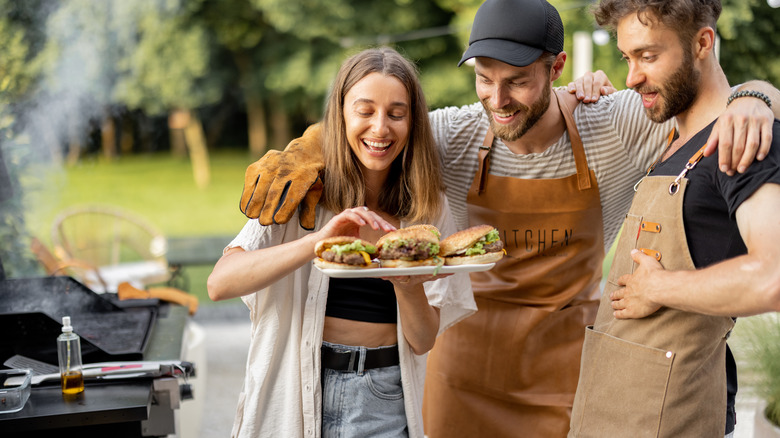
333	29
17	260
445	84
763	337
238	35
749	47
18	72
168	67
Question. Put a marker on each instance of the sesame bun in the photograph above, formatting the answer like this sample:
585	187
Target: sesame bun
488	257
426	227
463	239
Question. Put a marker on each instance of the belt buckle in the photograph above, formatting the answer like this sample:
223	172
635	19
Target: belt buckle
352	355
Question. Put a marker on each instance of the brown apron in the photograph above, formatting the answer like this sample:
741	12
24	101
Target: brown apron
663	375
511	369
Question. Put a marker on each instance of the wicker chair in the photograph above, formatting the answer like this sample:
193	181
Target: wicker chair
122	246
54	266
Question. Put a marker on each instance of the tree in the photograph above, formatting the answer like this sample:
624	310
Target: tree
749	46
333	29
237	28
18	74
167	69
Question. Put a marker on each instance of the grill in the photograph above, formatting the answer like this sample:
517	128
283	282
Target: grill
31	312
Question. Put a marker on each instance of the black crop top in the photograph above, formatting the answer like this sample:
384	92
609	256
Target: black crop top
362	299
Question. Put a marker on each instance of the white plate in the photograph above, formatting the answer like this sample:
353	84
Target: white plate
389	272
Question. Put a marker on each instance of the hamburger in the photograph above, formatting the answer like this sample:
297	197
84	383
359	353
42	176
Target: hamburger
408	247
475	245
344	252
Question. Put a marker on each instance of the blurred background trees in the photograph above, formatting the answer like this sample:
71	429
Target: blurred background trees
189	76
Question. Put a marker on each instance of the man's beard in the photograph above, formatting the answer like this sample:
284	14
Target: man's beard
678	93
521	125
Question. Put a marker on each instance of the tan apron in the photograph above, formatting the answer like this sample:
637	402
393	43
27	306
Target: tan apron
663	375
511	369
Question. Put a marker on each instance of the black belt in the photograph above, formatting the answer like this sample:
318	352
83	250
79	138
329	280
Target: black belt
349	360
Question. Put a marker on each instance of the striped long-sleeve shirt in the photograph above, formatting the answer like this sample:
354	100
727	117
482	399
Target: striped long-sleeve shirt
620	144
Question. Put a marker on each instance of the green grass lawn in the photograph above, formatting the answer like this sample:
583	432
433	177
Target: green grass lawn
157	187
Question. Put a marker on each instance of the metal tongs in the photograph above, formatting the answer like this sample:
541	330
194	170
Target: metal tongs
119	370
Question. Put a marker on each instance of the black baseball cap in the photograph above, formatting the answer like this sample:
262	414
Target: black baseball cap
515	32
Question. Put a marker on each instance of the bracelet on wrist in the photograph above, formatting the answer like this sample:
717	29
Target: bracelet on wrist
749	93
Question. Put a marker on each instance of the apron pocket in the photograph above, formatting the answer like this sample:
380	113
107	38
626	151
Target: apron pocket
622	388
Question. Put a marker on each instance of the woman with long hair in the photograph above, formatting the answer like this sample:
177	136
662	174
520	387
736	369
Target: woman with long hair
346	356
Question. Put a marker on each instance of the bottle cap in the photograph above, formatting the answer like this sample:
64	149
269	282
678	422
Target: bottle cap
66	327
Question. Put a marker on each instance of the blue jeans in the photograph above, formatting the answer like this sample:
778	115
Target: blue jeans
366	403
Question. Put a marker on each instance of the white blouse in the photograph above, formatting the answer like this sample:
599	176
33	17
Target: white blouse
281	395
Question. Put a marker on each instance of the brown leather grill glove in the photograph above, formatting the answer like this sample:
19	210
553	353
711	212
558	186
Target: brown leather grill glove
280	182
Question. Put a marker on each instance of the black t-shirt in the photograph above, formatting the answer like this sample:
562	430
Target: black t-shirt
710	202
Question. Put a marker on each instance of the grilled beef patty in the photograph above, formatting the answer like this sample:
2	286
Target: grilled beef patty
413	252
496	246
350	258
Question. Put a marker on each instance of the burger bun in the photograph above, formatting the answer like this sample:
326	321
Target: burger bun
426	227
488	257
395	263
463	239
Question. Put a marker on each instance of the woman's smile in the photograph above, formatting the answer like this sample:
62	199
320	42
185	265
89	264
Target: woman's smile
377	120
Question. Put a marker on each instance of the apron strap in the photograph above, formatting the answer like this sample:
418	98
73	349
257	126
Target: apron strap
578	149
688	166
669	141
484	160
580	160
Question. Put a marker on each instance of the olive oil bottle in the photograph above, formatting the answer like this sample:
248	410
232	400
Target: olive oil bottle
69	354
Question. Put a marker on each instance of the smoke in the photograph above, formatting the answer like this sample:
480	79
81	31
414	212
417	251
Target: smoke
75	47
80	54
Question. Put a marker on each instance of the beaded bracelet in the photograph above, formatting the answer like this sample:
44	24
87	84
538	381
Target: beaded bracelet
749	93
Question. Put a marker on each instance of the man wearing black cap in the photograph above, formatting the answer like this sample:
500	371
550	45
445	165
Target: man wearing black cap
512	367
517	161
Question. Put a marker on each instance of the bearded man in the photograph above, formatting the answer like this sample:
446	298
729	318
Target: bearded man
698	247
555	179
